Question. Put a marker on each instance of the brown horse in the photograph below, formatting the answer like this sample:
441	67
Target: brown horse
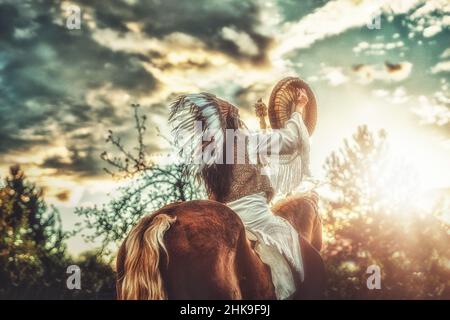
199	250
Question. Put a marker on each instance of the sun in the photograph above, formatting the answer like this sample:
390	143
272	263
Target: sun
403	181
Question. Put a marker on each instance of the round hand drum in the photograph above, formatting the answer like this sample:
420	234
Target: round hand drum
282	103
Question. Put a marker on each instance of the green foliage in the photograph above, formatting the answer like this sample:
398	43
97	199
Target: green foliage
31	239
98	278
150	186
33	257
366	225
154	188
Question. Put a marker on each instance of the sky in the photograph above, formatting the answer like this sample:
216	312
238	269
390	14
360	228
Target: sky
381	63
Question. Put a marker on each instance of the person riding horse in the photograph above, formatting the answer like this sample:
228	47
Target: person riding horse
242	184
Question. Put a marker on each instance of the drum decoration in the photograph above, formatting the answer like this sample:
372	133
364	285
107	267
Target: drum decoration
281	103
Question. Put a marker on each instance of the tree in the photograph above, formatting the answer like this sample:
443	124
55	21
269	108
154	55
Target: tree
33	254
370	222
32	248
98	279
150	186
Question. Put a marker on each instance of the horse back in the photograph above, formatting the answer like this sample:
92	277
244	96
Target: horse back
209	256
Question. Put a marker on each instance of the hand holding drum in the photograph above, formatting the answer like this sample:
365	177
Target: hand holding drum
301	102
289	95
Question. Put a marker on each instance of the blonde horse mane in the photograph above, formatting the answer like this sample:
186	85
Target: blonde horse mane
142	278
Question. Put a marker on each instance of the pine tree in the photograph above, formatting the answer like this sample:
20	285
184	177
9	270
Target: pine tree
32	249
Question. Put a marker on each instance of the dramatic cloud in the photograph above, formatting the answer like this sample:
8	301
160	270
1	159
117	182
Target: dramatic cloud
61	89
82	161
223	26
47	74
334	18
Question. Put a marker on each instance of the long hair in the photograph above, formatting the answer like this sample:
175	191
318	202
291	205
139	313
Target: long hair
218	177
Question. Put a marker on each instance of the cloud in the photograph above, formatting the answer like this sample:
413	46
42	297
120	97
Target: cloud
246	97
446	53
378	48
242	40
431	31
431	112
334	18
49	73
62	89
204	20
430	18
334	75
390	72
82	161
443	66
396	96
63	195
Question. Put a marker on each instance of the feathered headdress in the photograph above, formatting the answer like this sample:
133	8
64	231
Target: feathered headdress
195	117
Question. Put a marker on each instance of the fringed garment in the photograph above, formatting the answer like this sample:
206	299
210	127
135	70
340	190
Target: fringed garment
252	189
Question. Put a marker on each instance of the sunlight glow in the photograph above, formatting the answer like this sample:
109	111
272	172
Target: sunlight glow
404	182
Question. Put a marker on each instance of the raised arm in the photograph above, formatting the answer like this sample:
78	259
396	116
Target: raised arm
292	138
